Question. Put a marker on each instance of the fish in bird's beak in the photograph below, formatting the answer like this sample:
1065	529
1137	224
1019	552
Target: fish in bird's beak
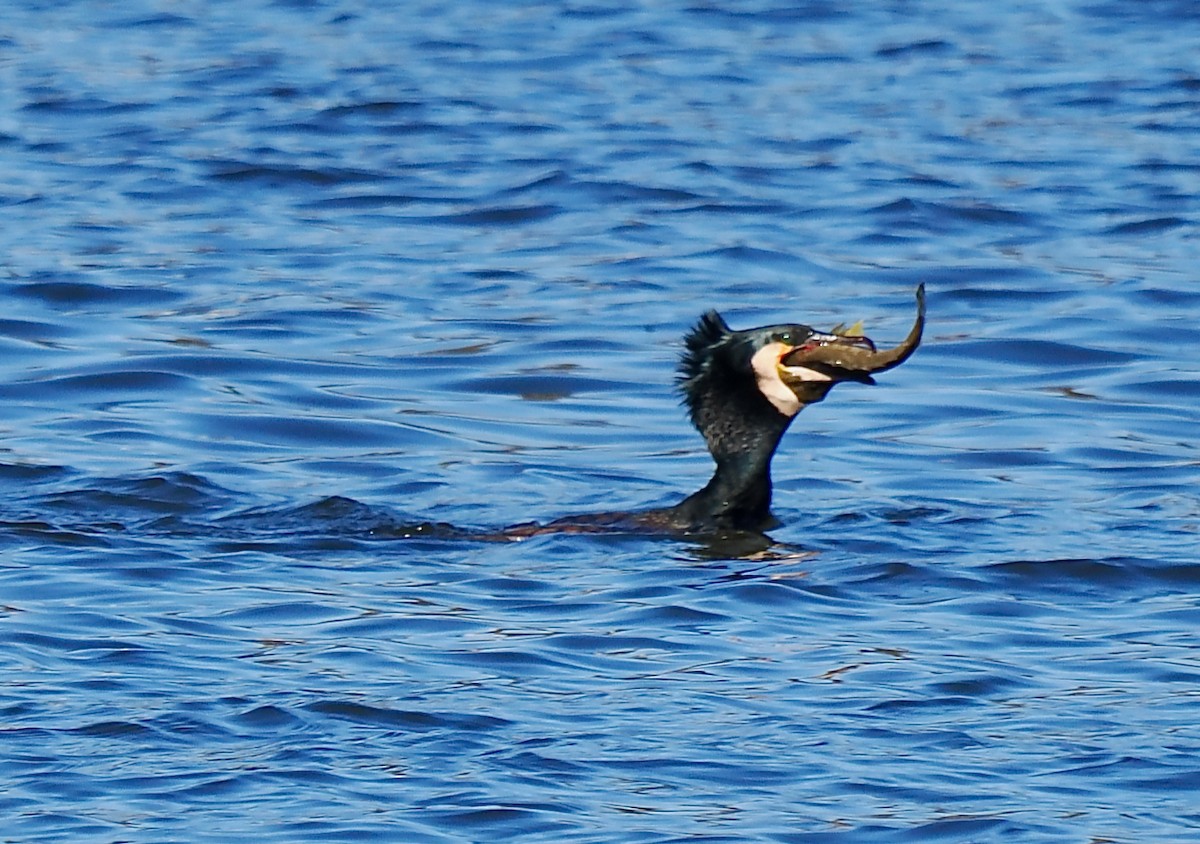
825	359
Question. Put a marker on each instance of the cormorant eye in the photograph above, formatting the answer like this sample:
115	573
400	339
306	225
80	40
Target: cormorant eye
789	338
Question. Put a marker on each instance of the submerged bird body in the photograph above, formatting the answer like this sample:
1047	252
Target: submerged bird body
742	390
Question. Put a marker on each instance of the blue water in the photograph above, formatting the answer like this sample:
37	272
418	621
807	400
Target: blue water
284	282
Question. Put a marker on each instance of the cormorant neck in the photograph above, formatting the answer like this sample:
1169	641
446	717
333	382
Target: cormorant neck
742	432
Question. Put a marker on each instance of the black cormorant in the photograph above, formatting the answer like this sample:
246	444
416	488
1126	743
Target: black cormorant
742	390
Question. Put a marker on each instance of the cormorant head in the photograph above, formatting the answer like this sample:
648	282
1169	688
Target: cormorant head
754	370
781	367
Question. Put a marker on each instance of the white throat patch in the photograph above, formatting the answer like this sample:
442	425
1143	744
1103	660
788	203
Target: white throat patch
766	369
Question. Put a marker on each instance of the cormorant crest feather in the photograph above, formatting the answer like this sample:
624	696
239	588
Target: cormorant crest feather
700	363
699	344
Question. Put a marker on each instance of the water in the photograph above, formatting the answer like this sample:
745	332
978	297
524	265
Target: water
286	281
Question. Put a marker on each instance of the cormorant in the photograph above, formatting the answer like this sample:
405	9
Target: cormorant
742	390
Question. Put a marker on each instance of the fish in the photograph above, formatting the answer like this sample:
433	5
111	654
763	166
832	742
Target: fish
849	355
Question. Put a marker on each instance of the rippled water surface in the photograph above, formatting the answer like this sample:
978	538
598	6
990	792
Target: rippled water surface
291	287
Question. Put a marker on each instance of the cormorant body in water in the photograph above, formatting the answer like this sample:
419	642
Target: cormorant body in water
742	390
